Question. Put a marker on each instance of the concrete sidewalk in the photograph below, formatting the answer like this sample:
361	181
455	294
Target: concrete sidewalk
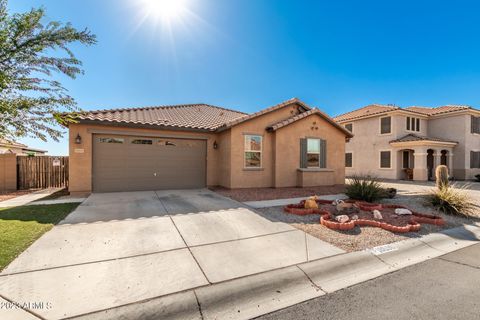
28	198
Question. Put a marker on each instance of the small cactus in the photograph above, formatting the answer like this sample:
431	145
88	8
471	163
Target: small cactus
441	176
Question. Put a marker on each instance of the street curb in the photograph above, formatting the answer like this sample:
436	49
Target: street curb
255	295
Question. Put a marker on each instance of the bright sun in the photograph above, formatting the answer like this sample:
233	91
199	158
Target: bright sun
164	10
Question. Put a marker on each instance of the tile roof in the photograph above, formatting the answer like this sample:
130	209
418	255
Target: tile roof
413	137
303	115
193	116
373	109
438	110
264	111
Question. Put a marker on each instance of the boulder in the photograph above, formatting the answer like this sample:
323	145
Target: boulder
377	215
342	218
402	211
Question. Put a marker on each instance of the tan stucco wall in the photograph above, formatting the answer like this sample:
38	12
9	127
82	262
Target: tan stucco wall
287	153
225	165
367	144
80	172
8	172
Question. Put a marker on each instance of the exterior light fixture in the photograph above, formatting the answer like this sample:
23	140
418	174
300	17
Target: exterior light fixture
78	139
215	145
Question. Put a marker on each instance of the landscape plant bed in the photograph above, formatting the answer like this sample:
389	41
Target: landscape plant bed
361	215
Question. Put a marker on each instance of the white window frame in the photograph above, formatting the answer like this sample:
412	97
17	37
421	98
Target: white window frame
319	151
413	124
351	152
380	126
250	150
380	159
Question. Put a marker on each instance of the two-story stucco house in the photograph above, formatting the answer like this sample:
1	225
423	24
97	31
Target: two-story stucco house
408	143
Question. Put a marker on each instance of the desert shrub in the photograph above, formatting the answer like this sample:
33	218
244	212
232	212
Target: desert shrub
452	200
365	188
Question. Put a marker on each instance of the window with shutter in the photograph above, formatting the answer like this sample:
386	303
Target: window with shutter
474	159
313	153
385	159
475	125
386	125
348	160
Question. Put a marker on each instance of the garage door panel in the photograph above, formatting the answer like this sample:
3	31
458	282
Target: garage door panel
164	164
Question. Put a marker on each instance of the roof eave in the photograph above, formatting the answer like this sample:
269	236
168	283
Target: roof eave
143	125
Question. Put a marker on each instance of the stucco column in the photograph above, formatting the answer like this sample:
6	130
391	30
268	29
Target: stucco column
420	172
437	160
450	163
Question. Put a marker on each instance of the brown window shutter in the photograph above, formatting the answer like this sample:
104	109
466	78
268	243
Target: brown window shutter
323	153
303	153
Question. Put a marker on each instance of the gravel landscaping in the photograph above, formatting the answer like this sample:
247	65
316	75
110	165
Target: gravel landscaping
259	194
361	238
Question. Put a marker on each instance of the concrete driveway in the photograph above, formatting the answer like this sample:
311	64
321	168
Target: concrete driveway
122	248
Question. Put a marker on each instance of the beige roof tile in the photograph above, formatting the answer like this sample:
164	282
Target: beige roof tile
413	137
303	115
193	116
370	110
438	110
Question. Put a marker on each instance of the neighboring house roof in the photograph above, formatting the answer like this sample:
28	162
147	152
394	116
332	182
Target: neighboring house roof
264	111
308	113
370	110
16	145
438	110
413	137
194	116
378	109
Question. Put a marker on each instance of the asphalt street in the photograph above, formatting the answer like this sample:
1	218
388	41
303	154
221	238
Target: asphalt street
447	287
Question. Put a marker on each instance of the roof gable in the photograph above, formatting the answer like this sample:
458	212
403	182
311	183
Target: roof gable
265	111
306	114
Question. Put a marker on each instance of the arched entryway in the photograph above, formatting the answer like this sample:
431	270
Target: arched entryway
430	163
443	157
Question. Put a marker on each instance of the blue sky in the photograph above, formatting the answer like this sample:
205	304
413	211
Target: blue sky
250	54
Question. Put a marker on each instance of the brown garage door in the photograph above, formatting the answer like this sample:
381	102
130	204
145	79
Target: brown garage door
125	163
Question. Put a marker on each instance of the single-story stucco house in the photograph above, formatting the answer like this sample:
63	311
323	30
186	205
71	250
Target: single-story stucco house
199	145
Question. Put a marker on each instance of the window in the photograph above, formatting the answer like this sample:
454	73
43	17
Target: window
385	125
348	160
385	159
349	127
474	159
313	153
413	124
253	151
142	141
111	140
475	125
165	143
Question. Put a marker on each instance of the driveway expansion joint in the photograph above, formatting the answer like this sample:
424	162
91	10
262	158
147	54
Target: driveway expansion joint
316	286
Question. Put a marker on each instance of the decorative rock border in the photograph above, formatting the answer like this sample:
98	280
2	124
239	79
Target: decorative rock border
413	225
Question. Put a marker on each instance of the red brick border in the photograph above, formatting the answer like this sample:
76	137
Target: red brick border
413	225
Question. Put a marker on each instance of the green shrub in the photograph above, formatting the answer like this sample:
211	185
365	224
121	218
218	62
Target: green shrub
364	188
452	200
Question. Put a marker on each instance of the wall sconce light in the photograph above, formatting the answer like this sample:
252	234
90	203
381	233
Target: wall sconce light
215	145
78	139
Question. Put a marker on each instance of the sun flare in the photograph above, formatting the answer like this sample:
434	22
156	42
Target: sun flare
164	11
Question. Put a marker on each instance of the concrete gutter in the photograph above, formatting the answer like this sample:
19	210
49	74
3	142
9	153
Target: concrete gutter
283	202
255	295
